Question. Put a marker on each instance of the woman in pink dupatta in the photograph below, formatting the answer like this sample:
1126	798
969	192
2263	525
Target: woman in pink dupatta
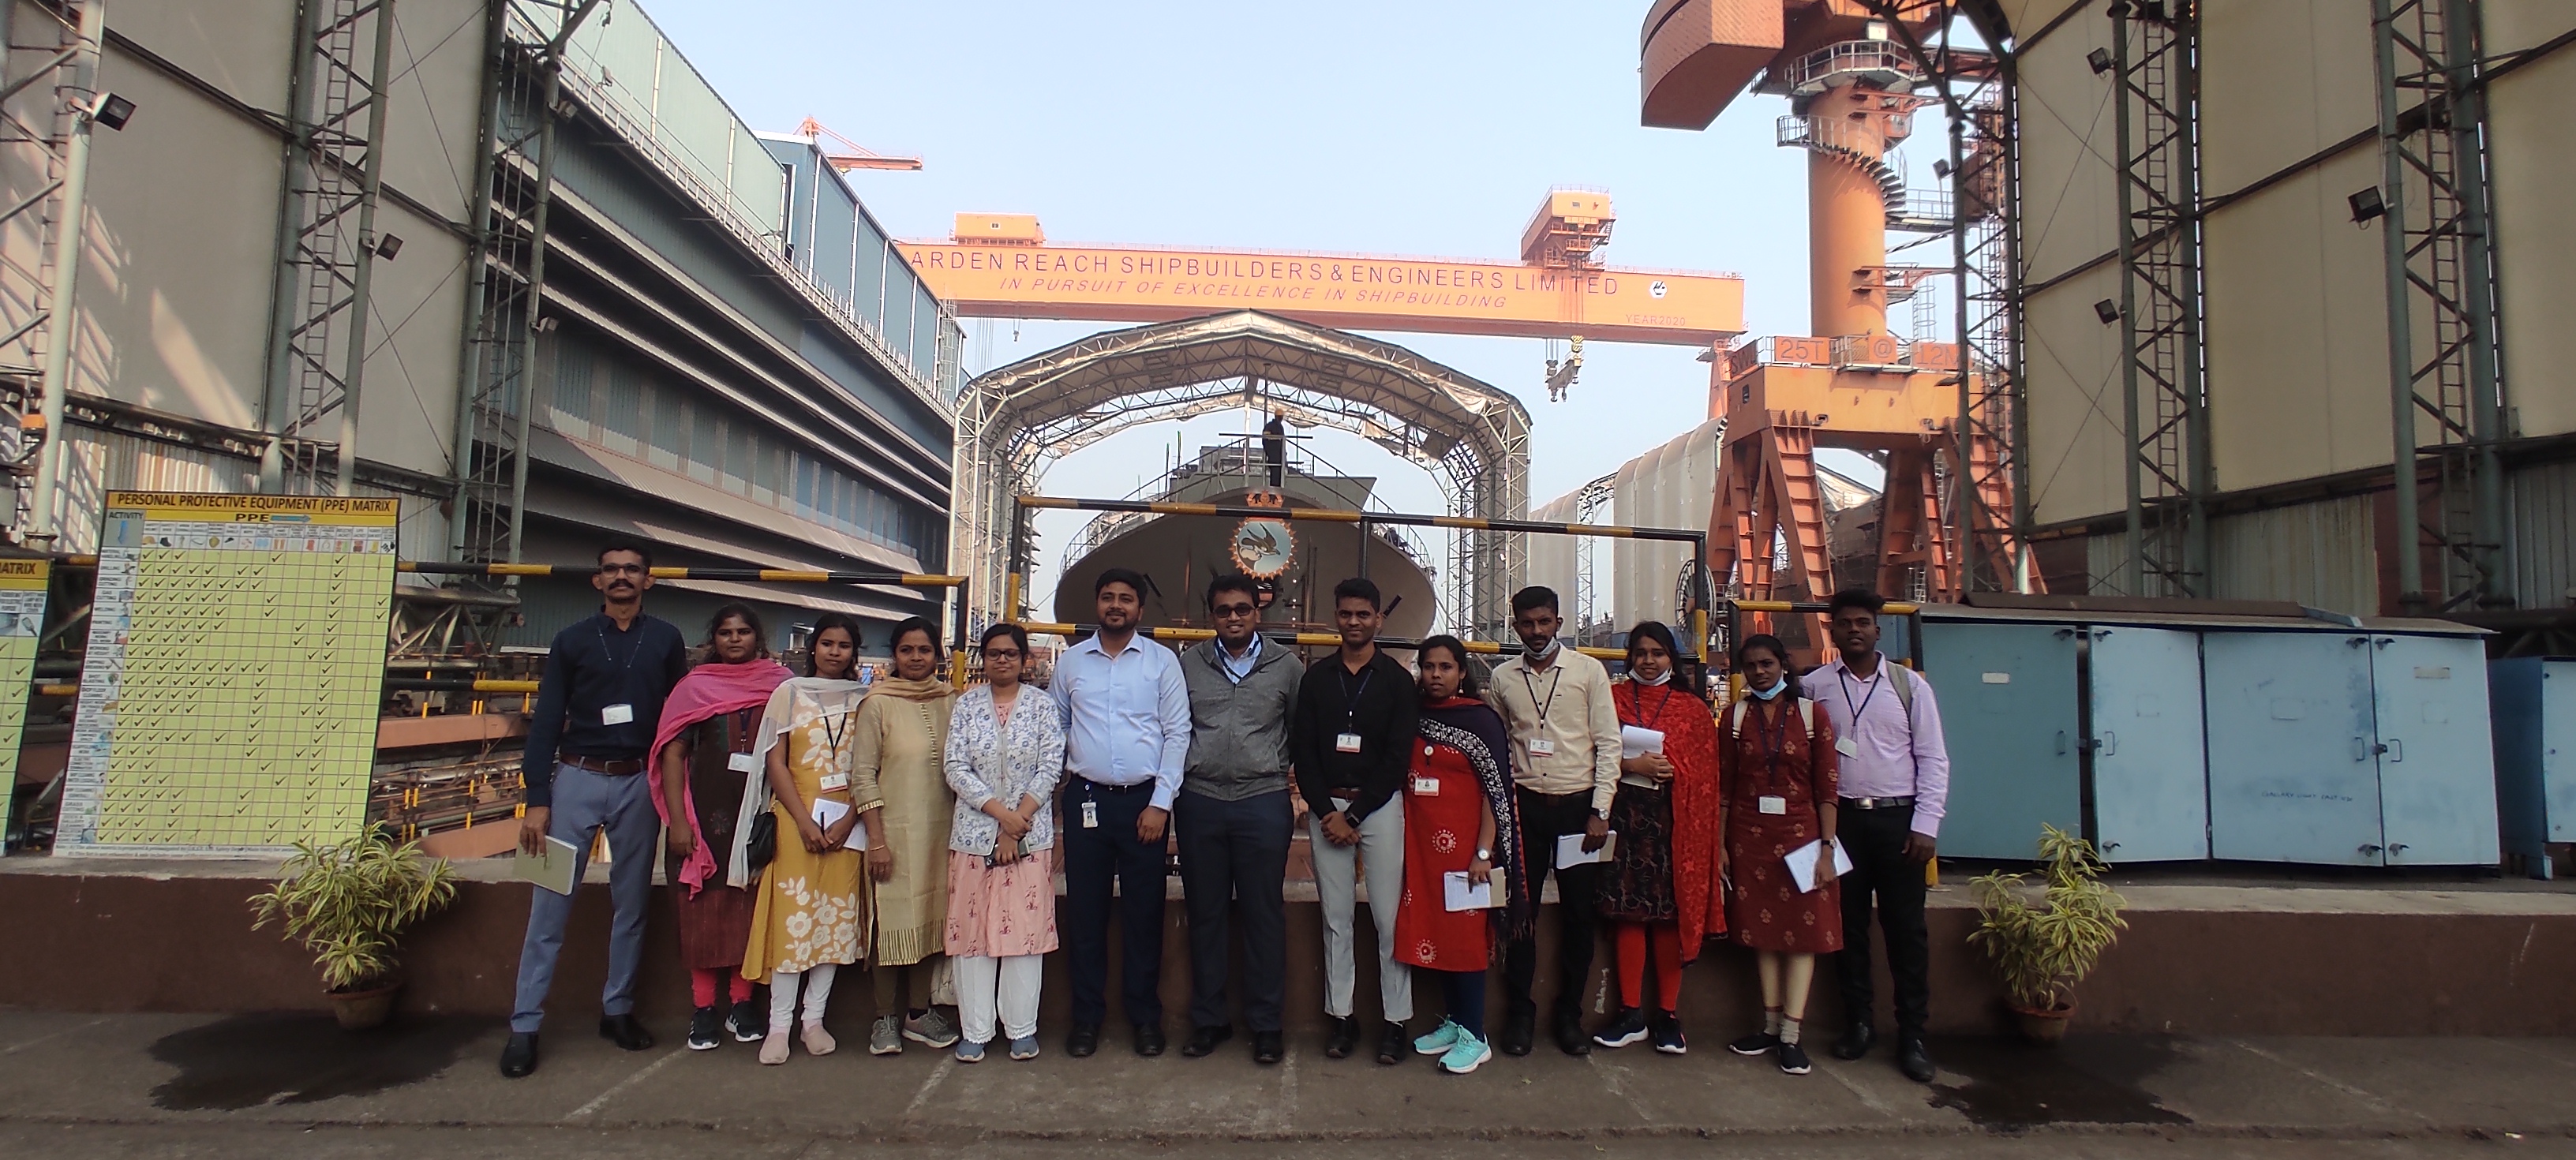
703	754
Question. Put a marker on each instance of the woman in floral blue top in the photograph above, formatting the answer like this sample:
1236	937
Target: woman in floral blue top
1005	754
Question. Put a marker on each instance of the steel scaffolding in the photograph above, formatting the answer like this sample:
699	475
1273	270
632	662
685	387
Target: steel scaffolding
326	243
2440	273
46	114
2155	52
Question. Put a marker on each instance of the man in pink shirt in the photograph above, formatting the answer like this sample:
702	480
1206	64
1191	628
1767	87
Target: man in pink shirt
1895	780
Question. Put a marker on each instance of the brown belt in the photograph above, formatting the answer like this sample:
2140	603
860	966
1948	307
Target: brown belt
614	767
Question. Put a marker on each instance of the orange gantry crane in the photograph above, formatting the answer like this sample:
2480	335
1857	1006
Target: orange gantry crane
1852	383
851	155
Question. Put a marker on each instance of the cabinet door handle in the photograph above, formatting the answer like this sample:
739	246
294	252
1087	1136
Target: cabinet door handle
2110	743
2061	743
2395	749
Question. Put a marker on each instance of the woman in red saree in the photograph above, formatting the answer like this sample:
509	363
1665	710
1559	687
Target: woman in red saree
1661	893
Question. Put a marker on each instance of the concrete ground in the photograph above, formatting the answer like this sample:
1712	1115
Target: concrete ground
292	1085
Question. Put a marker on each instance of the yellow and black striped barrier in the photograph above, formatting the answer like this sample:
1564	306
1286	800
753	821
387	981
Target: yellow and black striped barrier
1301	639
1347	516
738	575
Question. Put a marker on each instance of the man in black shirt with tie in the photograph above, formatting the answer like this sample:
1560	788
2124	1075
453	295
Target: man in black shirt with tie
597	707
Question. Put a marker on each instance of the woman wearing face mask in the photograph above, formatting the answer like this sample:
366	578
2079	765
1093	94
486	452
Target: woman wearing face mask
1458	819
703	759
1661	889
810	912
1776	758
904	802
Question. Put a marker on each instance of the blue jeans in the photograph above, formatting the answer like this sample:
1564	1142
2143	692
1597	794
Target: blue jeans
586	803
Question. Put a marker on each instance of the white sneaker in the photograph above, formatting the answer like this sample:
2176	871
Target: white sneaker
819	1041
773	1050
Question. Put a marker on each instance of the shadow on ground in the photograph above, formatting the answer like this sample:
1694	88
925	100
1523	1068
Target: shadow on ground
2008	1084
300	1057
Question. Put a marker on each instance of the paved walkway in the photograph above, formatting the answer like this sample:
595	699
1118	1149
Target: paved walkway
159	1073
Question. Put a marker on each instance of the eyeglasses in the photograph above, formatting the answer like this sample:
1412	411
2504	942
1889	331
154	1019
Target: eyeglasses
1001	654
1235	610
621	569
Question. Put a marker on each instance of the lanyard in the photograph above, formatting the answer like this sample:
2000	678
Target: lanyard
611	654
1772	749
833	735
1555	677
1842	679
1350	699
738	732
1640	699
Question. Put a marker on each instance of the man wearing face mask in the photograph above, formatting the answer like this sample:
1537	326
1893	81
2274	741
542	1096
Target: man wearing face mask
1565	763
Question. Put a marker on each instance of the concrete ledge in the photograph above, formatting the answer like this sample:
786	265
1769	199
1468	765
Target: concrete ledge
120	935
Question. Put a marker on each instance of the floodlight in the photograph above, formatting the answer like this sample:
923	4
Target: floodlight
2107	310
112	111
2100	59
2367	204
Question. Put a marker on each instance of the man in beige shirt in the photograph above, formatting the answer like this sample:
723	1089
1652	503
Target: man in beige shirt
1565	760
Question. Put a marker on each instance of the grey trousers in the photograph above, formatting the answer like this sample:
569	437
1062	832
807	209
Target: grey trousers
586	803
1379	854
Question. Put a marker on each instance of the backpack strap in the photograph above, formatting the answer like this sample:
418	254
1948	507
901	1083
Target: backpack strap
1903	680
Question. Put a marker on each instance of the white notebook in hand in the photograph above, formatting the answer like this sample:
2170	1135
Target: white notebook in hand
1802	864
827	811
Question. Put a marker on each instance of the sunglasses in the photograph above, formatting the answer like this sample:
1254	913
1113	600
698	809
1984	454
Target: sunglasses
1235	610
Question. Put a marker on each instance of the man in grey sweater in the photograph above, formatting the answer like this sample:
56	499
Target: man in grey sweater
1234	818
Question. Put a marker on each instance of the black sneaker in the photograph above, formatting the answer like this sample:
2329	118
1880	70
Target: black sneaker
1570	1038
706	1029
1393	1044
1793	1060
1517	1032
1345	1036
1758	1043
1627	1027
747	1023
1666	1028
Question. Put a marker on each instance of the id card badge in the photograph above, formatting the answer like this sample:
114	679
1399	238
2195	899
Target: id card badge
1847	747
1346	743
1091	815
833	781
1542	746
1426	787
742	763
619	714
1770	804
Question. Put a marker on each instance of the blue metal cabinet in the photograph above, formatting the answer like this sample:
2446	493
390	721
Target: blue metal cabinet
2008	708
2150	776
2535	754
2293	776
2437	789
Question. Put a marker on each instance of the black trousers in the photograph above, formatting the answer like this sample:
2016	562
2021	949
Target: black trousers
1093	857
1876	842
1543	819
1234	858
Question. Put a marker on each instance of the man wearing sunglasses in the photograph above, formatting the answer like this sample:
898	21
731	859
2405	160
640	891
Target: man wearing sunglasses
1234	818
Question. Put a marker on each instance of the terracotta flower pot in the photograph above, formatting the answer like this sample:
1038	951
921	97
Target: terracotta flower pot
2044	1027
361	1010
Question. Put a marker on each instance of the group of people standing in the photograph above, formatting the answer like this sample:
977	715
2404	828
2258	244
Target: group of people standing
815	823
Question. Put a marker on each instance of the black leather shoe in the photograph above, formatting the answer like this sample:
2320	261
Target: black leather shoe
1393	1044
519	1056
1345	1036
1914	1061
625	1032
1204	1040
1517	1032
1570	1038
1082	1040
1856	1041
1268	1047
1149	1040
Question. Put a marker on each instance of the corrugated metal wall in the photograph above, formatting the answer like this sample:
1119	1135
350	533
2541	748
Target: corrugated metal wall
1672	486
2318	554
1557	561
2541	503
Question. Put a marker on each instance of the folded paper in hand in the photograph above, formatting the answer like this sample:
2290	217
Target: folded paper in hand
1802	864
827	811
558	869
1460	894
1569	850
1635	742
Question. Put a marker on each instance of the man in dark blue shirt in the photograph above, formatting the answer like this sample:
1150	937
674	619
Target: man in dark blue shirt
597	707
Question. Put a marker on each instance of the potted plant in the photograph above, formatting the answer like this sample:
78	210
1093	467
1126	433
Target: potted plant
347	902
2045	950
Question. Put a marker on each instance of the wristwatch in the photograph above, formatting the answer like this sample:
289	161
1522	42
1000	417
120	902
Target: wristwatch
1484	855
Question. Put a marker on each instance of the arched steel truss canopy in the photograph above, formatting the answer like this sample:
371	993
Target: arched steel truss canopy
1015	421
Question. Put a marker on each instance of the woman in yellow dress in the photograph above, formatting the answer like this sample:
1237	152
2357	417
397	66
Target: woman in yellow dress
810	916
906	805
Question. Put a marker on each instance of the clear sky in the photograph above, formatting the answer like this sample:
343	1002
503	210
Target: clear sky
1335	125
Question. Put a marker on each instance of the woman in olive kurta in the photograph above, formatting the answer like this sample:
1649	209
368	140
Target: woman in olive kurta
902	738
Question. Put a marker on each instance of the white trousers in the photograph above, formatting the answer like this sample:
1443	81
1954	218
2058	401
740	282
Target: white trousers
1380	854
782	994
1014	981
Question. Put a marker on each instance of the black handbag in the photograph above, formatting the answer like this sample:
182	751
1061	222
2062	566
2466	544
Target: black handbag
763	843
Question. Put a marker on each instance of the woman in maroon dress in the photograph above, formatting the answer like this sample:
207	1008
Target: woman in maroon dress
1457	807
704	753
1776	758
1661	891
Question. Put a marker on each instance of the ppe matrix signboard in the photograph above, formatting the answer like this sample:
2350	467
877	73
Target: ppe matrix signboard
23	584
229	698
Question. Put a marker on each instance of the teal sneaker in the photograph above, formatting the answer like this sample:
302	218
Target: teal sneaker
1466	1055
1440	1040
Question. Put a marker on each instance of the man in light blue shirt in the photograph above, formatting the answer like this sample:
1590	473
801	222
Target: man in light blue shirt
1127	732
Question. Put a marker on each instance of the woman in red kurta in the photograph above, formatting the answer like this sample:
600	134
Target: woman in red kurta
1776	757
1661	888
1457	819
